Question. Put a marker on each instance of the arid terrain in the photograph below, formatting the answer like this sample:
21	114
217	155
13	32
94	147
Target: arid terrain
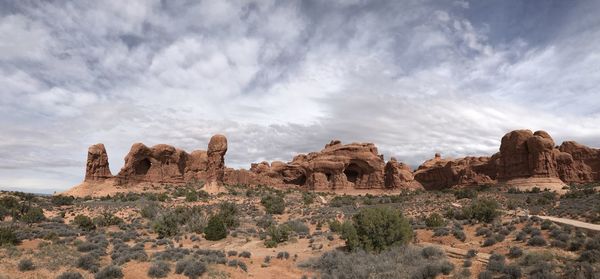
263	232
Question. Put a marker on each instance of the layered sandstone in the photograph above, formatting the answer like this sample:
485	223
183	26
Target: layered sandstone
337	167
438	173
160	164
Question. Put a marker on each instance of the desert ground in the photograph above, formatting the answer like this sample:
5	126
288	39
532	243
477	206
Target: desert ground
240	231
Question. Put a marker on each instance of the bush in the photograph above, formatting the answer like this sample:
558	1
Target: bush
515	252
308	198
513	271
298	226
7	236
33	215
536	241
190	268
435	220
83	222
159	269
60	200
229	212
165	225
273	204
483	210
87	262
26	265
215	229
107	219
489	242
376	229
70	275
245	254
432	252
109	272
465	194
460	235
496	263
150	211
277	234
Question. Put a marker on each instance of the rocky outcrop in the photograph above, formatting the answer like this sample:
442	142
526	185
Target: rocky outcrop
161	164
337	167
438	173
578	163
527	154
399	176
97	168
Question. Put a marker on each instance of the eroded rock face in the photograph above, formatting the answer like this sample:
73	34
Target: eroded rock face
337	167
438	173
527	154
166	164
399	176
97	168
578	163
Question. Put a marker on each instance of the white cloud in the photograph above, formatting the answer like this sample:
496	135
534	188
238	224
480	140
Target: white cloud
277	79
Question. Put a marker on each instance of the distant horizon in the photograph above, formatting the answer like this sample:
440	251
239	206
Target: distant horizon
281	78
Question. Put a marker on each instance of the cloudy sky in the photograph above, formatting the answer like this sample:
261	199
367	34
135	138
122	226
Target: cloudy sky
282	77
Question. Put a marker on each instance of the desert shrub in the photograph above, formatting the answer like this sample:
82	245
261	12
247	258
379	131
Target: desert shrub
308	198
483	231
512	271
471	253
196	222
277	234
107	219
165	226
483	210
441	231
298	226
8	236
70	275
265	221
150	211
229	212
435	220
88	262
344	200
190	268
515	252
335	226
460	235
283	255
33	215
521	236
590	256
83	222
432	252
109	272
159	269
215	228
467	263
465	194
232	253
245	254
397	262
537	240
496	263
489	242
26	265
273	204
60	200
376	229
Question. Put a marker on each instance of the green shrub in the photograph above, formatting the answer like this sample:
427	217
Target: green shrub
166	225
435	220
376	229
150	211
191	196
273	204
483	210
33	215
279	233
344	200
159	269
308	198
26	265
7	236
465	194
107	219
70	275
216	228
109	272
83	222
229	213
60	200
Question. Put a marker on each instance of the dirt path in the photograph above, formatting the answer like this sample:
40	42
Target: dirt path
583	225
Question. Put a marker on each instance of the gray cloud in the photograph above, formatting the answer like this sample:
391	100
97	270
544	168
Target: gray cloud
278	78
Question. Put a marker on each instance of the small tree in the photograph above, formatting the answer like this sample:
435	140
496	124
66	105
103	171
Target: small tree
215	229
376	229
33	215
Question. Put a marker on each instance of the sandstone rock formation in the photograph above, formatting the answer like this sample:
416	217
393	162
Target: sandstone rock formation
161	164
399	176
337	167
438	173
97	164
578	163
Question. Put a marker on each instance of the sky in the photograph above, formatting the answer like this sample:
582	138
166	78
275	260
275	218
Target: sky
285	77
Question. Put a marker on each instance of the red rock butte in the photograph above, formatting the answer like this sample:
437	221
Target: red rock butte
525	160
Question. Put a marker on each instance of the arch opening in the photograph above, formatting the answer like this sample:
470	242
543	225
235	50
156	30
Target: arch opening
142	167
353	173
